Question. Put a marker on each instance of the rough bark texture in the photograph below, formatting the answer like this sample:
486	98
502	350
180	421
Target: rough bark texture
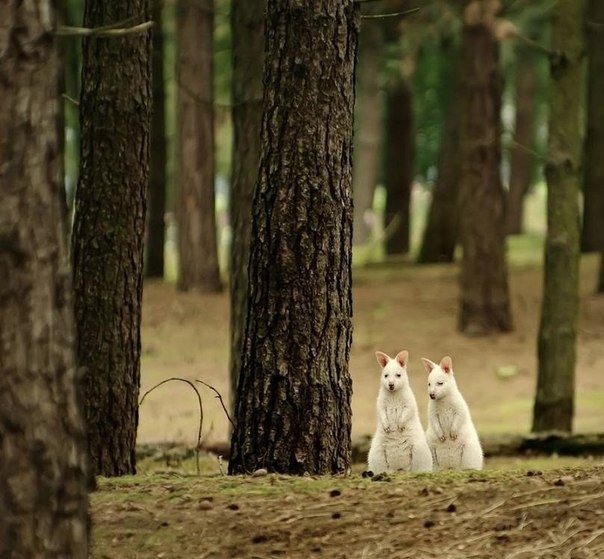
554	403
369	127
43	462
156	230
522	161
398	166
247	24
197	238
441	232
600	286
109	226
592	239
484	298
293	399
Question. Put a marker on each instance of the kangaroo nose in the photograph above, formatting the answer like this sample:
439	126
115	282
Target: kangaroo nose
432	395
391	385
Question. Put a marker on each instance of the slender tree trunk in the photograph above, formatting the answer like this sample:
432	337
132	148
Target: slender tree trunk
43	466
521	158
156	229
197	237
293	397
442	230
368	131
554	404
109	227
592	239
247	24
484	298
398	165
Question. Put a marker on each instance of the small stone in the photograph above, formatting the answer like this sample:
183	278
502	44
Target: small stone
233	506
451	508
335	493
428	523
205	505
260	472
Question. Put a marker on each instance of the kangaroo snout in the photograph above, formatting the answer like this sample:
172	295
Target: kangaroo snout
390	386
432	396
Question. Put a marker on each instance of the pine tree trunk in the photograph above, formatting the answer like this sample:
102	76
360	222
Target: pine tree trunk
197	237
43	461
293	399
369	128
554	403
398	166
484	298
592	239
441	232
247	24
156	230
521	158
109	227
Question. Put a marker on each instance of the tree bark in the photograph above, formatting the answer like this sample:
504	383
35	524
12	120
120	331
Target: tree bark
398	165
592	239
521	158
293	399
109	227
441	232
369	129
554	403
156	230
197	237
484	297
600	287
43	466
247	24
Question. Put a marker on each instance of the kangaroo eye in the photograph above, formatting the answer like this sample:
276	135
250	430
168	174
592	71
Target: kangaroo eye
440	383
398	375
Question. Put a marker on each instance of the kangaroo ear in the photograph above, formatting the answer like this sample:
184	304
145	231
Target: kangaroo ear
403	358
382	358
446	364
428	365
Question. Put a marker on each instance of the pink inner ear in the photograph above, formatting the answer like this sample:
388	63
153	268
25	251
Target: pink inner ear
403	358
446	364
382	358
428	364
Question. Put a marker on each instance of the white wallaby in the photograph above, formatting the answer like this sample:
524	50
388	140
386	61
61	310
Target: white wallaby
399	442
451	434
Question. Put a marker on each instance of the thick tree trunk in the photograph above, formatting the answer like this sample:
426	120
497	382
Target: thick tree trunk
247	24
109	227
441	232
554	403
197	237
293	398
43	460
369	129
398	166
521	159
484	298
156	230
600	287
592	239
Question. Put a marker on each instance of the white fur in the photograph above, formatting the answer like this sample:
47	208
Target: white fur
399	442
451	434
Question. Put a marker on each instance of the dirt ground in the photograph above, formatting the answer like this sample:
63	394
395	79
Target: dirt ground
524	514
395	307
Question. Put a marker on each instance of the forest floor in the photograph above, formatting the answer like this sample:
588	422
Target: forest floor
537	507
497	513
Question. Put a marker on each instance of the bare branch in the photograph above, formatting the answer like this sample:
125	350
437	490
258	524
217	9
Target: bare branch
219	396
109	31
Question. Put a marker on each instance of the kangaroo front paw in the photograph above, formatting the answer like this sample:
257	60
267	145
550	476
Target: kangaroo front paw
453	436
442	438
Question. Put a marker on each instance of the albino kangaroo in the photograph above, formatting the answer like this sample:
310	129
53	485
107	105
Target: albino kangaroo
399	442
451	434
